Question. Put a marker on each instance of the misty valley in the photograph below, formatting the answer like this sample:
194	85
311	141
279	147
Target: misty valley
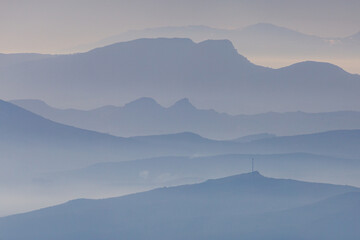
171	133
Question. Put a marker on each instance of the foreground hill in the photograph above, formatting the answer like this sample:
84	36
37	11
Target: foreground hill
145	116
109	179
247	205
210	73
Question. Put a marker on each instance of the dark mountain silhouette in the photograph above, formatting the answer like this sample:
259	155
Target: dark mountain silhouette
250	40
146	117
230	207
263	42
211	73
195	32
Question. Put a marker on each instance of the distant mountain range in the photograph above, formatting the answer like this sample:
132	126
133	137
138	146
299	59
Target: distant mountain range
211	74
145	116
262	39
39	154
28	141
264	43
248	206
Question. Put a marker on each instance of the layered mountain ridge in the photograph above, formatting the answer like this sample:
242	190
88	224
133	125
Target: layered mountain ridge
211	73
145	116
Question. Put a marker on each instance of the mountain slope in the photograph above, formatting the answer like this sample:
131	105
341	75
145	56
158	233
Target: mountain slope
145	116
189	211
28	141
210	73
337	217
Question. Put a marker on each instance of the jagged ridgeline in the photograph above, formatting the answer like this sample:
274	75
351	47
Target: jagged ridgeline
212	74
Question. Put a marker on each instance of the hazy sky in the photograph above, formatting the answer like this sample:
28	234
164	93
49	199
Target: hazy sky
52	26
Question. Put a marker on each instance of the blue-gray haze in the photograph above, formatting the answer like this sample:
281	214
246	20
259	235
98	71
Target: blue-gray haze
51	157
159	109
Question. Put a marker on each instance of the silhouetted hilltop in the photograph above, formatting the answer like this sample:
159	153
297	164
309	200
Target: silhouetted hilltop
184	211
